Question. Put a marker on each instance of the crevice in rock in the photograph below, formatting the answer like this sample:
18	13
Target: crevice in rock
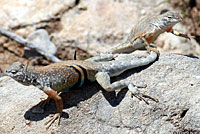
183	113
45	22
49	20
176	117
55	18
77	2
173	117
7	49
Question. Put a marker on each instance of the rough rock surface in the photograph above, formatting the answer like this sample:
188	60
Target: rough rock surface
173	79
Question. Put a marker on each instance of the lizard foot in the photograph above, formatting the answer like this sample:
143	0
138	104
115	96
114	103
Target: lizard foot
135	92
149	49
53	119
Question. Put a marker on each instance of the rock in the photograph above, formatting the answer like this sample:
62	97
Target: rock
40	38
198	3
174	80
14	107
28	13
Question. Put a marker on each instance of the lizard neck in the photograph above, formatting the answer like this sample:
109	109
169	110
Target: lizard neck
30	76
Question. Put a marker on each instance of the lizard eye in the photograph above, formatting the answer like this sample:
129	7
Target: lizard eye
13	72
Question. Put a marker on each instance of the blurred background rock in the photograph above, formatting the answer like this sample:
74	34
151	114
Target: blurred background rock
91	26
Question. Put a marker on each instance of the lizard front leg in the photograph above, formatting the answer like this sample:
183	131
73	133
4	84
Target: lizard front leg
149	47
59	104
103	79
175	32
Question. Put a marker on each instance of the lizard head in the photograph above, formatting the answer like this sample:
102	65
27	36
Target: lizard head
169	19
16	71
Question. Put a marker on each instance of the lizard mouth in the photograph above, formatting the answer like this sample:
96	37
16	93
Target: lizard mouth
22	82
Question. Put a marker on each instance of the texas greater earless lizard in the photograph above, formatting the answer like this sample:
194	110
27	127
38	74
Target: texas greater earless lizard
147	30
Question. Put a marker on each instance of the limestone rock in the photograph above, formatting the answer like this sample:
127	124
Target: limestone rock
173	79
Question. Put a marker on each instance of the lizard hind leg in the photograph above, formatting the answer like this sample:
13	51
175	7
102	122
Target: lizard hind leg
103	79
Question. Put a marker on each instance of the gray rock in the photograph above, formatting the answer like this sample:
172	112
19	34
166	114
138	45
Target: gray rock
40	38
173	79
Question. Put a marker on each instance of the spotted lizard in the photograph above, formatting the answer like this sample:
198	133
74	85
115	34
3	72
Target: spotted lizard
147	30
62	76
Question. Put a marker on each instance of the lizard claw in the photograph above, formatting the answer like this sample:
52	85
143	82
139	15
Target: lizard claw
140	98
147	96
149	49
53	119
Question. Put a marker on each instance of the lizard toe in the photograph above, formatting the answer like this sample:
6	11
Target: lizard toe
53	119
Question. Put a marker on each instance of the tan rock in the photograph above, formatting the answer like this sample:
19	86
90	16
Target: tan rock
23	12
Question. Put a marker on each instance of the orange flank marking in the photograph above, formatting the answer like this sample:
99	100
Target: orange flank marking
141	34
149	38
168	29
